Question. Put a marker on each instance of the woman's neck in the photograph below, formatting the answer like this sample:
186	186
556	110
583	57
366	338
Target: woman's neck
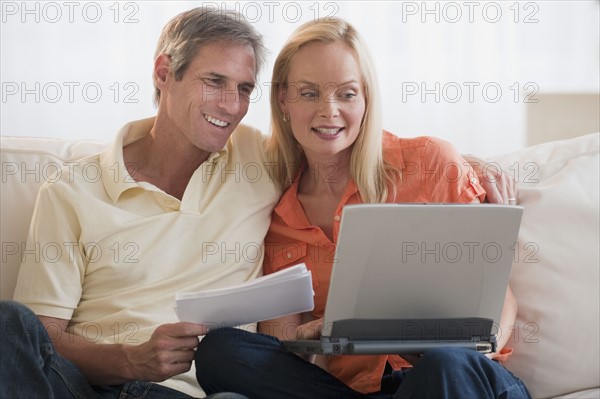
325	176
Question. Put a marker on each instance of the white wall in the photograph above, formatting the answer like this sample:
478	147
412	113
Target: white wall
461	70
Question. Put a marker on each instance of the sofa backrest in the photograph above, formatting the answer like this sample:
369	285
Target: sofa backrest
26	164
555	274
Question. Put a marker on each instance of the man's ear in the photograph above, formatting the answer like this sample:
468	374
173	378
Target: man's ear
162	67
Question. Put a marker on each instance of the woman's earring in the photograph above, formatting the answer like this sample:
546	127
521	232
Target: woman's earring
286	117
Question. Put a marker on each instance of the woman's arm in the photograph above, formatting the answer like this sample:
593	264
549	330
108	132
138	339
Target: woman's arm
282	327
292	327
507	321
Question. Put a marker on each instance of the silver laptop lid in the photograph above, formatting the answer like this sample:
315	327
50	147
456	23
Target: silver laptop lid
422	261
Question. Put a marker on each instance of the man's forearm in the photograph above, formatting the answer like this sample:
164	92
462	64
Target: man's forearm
102	364
170	351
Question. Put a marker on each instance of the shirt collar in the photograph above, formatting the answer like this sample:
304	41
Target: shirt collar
290	210
115	176
392	149
289	196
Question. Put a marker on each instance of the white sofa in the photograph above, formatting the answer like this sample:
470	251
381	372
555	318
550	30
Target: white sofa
555	276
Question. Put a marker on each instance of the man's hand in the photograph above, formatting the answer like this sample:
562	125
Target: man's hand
499	185
170	351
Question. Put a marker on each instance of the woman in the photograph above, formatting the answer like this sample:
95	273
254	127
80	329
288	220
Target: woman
330	151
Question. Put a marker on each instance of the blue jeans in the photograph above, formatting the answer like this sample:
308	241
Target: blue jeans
31	368
258	366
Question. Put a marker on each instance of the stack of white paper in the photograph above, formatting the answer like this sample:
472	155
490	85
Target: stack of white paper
288	291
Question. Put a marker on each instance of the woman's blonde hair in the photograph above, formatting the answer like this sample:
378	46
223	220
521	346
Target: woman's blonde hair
370	172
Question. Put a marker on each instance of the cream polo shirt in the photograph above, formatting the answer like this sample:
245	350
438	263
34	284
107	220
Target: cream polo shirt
109	254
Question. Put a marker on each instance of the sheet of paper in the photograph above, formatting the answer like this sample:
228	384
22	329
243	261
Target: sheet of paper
288	291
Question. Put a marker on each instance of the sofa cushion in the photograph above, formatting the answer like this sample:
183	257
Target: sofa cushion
586	394
555	276
26	164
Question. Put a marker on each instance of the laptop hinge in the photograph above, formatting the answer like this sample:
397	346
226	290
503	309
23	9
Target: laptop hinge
334	346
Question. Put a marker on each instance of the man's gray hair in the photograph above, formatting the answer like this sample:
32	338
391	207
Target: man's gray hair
183	36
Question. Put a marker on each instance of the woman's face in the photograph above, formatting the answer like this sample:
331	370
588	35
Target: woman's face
325	99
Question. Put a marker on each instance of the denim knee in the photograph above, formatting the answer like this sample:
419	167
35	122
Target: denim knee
229	349
230	340
13	310
217	348
466	370
18	322
440	357
219	342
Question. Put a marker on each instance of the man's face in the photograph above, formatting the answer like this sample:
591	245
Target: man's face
212	97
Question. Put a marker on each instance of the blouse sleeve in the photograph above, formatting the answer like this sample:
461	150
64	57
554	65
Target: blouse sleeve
449	176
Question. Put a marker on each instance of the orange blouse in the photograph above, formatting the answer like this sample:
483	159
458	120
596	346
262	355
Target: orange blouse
432	171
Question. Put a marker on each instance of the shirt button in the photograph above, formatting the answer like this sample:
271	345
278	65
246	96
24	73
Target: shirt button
473	180
289	255
337	218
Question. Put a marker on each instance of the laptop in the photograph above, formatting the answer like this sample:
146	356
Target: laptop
410	277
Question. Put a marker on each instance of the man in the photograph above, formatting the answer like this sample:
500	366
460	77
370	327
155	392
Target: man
183	204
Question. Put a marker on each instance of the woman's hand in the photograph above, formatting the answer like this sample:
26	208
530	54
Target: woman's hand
310	330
